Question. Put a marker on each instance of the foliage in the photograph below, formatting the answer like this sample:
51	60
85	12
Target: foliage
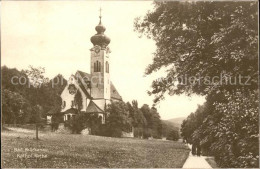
18	84
36	76
154	125
173	135
78	100
238	131
56	119
94	122
228	129
16	109
14	80
202	40
138	120
77	124
168	128
212	44
118	119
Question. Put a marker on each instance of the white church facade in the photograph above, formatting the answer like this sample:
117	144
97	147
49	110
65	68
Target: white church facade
96	88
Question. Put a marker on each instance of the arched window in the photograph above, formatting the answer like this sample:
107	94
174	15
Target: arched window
107	67
97	66
64	104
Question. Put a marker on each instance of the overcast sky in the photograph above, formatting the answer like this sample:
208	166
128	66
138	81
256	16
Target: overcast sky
56	35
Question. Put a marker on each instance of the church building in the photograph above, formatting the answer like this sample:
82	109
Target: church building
95	88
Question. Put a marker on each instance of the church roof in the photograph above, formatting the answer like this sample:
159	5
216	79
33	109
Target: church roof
71	111
93	108
113	92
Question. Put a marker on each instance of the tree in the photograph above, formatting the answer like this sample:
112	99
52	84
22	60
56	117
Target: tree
80	122
168	129
16	109
14	80
118	119
50	93
36	80
238	131
78	100
202	40
173	135
227	128
137	119
211	49
154	125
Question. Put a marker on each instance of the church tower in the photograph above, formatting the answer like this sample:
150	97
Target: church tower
100	87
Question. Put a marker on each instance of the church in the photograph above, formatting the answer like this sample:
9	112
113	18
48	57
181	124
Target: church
95	88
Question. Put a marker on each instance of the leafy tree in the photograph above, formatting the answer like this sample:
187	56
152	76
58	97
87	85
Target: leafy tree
202	40
36	80
14	80
118	119
237	133
173	135
137	119
77	124
154	125
16	109
228	129
78	100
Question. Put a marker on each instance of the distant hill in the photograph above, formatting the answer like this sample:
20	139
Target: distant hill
176	121
171	124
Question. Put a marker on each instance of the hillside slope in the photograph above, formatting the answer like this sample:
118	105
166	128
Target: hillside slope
176	121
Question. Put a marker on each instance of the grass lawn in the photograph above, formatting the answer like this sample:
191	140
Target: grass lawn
20	149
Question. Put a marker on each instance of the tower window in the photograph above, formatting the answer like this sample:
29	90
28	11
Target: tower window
107	67
97	66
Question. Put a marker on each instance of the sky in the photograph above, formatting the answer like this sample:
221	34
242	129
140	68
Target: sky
56	35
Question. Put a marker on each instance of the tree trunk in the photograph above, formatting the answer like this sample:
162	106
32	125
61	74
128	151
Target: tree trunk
37	138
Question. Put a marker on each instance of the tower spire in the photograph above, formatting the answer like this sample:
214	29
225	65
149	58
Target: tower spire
100	38
100	16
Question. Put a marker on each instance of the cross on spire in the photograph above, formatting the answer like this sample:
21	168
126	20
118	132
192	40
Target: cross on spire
100	16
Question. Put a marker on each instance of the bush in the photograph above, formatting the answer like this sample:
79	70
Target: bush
56	119
77	124
173	135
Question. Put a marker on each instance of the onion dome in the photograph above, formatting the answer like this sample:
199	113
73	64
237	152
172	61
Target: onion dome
100	38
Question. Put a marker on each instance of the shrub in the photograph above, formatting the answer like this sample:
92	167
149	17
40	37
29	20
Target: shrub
173	135
77	124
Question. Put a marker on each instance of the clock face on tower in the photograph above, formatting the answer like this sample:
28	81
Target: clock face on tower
97	50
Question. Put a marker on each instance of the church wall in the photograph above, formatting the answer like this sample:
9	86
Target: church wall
106	76
68	98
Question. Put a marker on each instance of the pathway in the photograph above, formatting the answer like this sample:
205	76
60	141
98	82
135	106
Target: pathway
196	162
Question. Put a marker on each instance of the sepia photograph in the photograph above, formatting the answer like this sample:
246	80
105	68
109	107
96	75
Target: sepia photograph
129	84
